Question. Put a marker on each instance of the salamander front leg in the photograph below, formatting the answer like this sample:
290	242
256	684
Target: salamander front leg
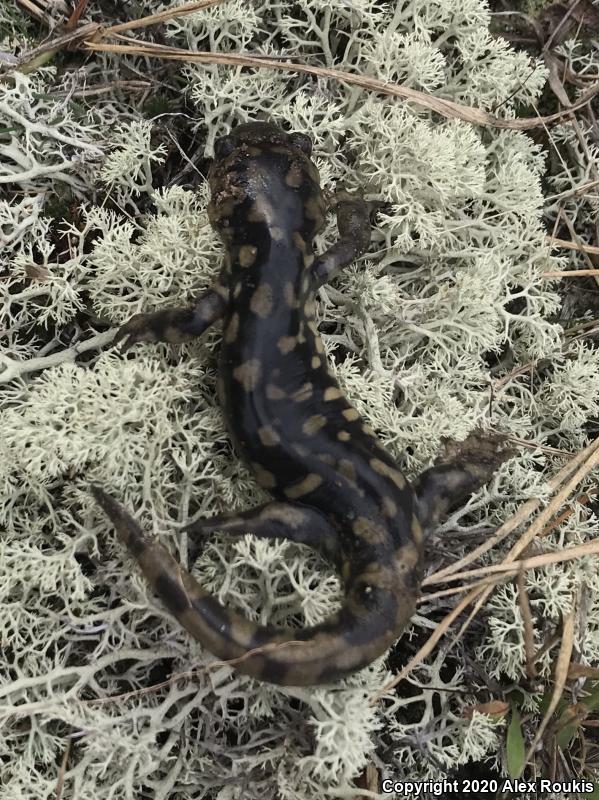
271	521
353	223
462	469
175	325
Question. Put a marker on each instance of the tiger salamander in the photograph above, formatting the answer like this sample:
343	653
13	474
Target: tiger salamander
334	486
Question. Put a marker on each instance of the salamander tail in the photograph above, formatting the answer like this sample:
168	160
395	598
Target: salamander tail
346	641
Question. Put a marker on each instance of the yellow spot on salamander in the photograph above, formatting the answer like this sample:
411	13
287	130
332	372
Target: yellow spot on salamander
268	436
315	363
277	234
389	507
332	393
347	469
299	241
344	436
417	532
285	513
286	344
318	345
350	414
274	392
258	212
289	295
389	472
311	482
303	393
326	458
314	424
261	300
314	208
370	531
248	373
247	255
232	329
265	478
294	177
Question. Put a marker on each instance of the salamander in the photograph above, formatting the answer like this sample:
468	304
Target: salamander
334	486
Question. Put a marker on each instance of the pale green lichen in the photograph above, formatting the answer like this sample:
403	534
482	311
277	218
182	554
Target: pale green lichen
128	165
451	280
573	179
42	142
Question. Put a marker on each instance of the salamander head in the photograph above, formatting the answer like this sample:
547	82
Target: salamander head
257	134
264	187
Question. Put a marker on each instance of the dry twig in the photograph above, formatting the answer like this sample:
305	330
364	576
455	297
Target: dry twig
561	676
556	244
529	631
446	108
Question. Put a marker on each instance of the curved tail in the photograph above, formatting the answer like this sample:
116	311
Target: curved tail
376	608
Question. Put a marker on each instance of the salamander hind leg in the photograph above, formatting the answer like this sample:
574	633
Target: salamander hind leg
459	472
353	224
300	524
174	325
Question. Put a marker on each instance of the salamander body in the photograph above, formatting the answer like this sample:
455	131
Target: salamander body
334	486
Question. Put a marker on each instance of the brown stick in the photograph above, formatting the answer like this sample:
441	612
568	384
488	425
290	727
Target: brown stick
446	108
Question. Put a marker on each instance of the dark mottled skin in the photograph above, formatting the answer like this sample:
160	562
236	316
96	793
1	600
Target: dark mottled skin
334	486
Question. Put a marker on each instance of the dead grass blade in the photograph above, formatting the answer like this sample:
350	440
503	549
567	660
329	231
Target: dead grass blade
465	587
498	573
534	562
572	273
77	14
368	782
589	462
529	631
551	451
447	108
581	247
580	190
107	88
580	671
162	16
39	55
63	768
582	499
561	676
556	244
35	11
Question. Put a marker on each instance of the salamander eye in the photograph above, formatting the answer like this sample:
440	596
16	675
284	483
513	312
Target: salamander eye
224	146
301	141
